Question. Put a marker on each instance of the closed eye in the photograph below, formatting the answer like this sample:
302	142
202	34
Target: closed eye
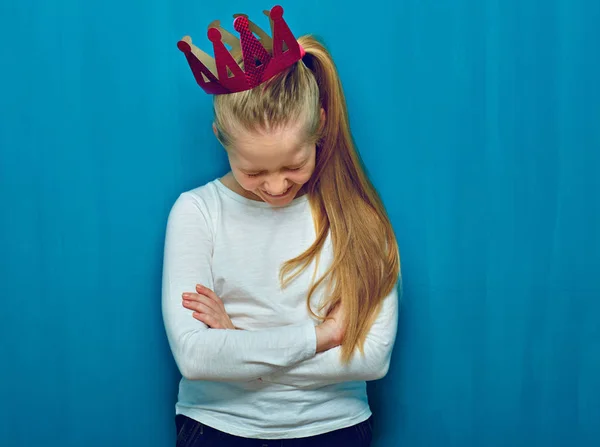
297	168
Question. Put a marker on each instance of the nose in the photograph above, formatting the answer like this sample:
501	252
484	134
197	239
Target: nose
276	185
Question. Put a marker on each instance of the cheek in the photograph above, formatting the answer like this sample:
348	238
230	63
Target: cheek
304	175
300	178
247	183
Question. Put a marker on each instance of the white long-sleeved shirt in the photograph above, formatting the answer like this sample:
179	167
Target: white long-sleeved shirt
264	381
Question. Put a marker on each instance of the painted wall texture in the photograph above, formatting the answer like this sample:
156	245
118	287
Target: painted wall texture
479	121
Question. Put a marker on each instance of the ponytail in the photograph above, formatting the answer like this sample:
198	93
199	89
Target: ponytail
366	264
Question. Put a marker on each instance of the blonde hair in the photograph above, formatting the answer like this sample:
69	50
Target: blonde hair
344	203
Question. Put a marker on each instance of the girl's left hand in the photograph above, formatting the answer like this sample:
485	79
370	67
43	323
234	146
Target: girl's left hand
208	308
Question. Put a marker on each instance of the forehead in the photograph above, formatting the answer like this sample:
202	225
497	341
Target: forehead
272	148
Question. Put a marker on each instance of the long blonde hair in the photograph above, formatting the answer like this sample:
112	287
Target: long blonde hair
344	203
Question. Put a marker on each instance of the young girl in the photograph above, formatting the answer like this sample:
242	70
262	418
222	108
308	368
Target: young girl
279	287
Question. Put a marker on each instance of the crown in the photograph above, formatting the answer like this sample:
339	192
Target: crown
263	58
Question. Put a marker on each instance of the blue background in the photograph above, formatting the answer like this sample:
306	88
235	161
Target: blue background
479	121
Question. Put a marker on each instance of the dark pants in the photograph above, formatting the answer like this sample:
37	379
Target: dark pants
191	433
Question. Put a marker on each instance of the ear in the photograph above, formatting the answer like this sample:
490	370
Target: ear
323	117
215	131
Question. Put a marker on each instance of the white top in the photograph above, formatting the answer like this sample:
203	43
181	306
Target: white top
264	381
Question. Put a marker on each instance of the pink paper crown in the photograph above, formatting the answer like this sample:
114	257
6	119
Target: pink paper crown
262	58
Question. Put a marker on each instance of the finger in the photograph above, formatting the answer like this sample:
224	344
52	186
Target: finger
196	297
197	306
207	319
209	293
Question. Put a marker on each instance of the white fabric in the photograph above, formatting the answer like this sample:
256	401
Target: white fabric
264	381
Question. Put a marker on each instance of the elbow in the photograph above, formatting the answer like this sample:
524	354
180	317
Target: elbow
195	371
380	370
379	356
191	373
190	370
187	371
188	362
377	371
187	376
379	365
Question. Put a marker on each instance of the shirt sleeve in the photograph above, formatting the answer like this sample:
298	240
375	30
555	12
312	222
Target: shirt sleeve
326	368
202	353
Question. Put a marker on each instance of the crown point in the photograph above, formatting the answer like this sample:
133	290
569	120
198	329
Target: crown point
241	24
277	12
214	35
184	46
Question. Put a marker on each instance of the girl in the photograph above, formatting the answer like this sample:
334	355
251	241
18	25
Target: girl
279	286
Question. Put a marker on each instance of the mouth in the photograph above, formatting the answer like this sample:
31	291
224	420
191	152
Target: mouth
279	196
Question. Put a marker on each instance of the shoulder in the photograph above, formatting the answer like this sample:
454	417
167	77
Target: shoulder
207	194
201	201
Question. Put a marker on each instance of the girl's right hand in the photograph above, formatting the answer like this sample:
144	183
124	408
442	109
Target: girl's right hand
330	333
208	308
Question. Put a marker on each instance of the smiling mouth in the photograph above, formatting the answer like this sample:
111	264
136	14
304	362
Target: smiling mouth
279	195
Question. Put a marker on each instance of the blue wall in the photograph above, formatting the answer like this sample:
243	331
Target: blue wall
479	121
